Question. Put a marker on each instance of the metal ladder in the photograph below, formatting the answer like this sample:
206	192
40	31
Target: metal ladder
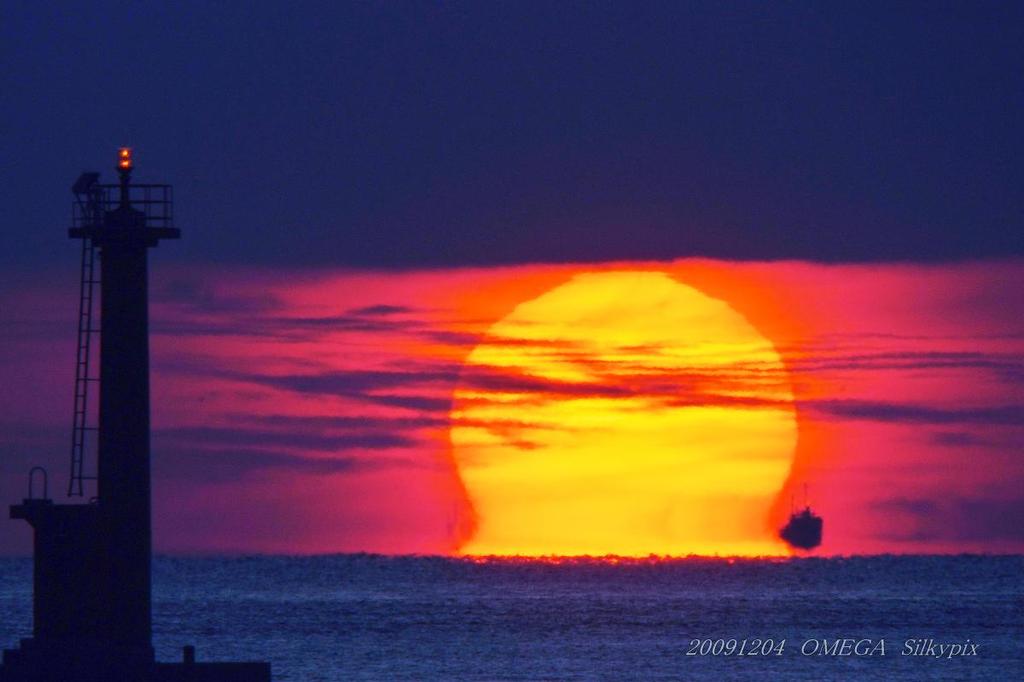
80	423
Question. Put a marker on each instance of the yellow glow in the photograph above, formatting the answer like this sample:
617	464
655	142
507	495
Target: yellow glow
623	413
124	157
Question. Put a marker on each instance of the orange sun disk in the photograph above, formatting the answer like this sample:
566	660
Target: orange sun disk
623	413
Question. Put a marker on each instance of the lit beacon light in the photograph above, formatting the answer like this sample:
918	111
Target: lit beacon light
124	158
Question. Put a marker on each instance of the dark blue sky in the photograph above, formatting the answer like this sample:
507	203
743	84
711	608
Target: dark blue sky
397	134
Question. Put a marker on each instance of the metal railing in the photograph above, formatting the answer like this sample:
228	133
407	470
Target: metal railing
156	201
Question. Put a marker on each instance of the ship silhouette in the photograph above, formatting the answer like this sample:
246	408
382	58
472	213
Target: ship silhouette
804	528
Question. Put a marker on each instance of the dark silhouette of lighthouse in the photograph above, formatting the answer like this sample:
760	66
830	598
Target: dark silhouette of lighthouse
92	607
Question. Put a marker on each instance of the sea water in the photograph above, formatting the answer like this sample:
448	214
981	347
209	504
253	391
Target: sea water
365	617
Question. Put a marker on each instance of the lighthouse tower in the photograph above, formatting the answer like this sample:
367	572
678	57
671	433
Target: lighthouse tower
92	604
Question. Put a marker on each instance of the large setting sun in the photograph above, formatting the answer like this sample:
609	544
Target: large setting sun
623	413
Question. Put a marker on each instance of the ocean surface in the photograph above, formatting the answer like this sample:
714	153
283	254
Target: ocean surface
363	617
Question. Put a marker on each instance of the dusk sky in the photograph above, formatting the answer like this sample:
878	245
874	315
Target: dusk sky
539	277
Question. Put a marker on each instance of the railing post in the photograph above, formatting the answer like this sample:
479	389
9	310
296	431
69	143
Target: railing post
31	480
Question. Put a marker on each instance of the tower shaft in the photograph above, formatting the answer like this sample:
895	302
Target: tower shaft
124	455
